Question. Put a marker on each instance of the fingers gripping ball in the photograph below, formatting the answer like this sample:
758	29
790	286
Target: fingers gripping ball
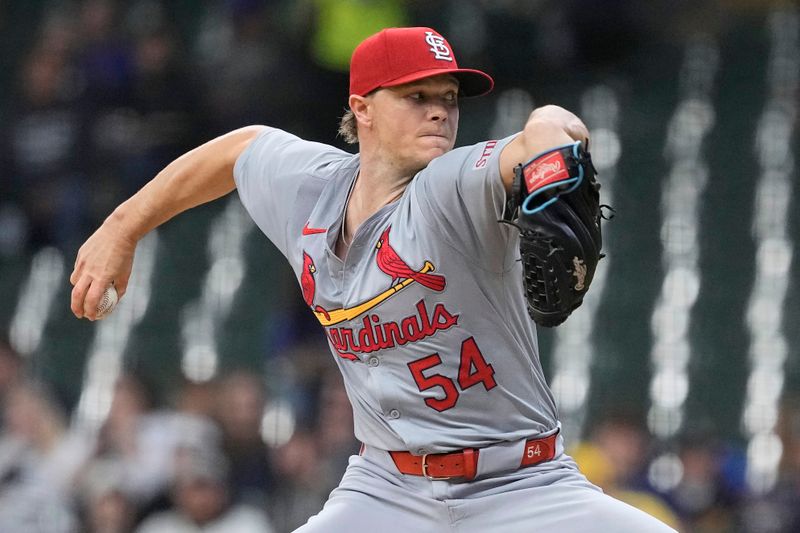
107	302
556	201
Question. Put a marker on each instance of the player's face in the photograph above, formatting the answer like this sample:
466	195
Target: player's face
417	121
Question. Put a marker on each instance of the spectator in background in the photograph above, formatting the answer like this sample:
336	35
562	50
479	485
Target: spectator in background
614	457
107	507
42	147
143	440
240	407
17	228
197	398
710	488
201	499
239	51
303	490
162	122
105	57
121	439
39	461
335	429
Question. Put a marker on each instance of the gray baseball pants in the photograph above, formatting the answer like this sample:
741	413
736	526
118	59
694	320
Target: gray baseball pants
373	497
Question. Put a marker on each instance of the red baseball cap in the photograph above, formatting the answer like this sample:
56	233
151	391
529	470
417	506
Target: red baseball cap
401	55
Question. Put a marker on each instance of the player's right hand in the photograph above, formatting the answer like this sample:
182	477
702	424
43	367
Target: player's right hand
106	257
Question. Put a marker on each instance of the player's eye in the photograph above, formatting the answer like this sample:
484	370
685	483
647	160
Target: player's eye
416	96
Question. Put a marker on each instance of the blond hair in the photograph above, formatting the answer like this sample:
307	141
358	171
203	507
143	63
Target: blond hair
348	127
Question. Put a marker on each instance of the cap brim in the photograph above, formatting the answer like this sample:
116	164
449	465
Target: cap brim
471	82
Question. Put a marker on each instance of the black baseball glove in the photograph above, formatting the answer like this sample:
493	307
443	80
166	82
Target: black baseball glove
555	204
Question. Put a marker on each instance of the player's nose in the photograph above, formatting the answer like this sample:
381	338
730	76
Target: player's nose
437	111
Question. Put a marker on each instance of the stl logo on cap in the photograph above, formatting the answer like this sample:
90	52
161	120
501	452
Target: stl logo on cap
395	56
438	46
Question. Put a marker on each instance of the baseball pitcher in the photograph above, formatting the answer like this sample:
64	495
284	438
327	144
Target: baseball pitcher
408	253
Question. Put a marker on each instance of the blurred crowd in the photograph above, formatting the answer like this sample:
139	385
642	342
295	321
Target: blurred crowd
705	489
107	93
198	462
205	459
100	95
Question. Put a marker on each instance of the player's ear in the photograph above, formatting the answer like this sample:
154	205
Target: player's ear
361	108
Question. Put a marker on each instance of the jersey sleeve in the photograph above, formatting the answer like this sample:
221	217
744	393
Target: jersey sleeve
274	171
461	195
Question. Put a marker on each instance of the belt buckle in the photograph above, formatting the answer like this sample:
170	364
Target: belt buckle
425	470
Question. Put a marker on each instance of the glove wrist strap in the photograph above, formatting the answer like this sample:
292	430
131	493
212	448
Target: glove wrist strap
546	176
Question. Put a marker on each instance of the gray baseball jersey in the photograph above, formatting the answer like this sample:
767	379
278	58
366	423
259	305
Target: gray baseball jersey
425	316
426	320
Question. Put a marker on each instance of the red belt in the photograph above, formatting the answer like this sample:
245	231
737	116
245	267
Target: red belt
464	463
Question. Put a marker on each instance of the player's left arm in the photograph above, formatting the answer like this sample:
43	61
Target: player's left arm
547	127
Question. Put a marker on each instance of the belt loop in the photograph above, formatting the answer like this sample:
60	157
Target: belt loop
470	463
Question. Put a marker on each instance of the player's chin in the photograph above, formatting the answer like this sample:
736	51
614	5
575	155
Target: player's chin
423	160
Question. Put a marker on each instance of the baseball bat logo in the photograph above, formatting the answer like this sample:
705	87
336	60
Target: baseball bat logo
390	263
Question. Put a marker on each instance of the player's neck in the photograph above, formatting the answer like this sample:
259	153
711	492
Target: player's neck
380	182
370	194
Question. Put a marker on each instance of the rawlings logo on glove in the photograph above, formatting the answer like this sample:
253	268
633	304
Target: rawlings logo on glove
555	199
551	168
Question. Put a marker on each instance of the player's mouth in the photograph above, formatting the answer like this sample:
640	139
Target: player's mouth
433	134
436	136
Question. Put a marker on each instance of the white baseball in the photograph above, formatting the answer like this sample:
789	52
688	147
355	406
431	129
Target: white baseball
107	302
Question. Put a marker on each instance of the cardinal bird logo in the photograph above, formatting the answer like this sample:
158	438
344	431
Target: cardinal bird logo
307	279
309	285
392	264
